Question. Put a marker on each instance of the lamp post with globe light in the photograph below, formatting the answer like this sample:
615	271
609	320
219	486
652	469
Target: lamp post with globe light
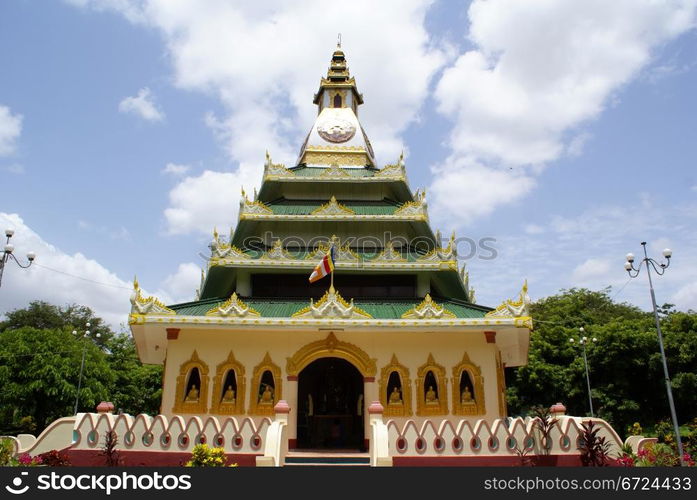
582	341
8	255
659	268
82	364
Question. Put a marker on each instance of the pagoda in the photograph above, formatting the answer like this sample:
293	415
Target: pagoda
396	323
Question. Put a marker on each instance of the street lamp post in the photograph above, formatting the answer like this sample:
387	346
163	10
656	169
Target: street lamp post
82	364
8	255
582	341
660	269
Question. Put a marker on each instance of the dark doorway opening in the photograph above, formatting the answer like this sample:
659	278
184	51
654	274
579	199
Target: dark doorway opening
330	406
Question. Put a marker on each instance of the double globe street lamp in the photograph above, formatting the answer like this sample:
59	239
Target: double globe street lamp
82	364
659	268
582	341
8	254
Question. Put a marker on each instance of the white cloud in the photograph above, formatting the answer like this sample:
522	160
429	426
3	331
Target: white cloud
60	278
468	189
10	129
15	168
591	271
142	105
109	299
198	204
264	64
588	250
175	169
539	71
182	285
534	229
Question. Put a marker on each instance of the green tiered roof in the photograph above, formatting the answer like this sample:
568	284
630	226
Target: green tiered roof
378	309
331	193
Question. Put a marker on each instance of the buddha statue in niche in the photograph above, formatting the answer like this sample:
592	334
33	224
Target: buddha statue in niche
192	395
229	396
266	397
395	396
466	397
431	396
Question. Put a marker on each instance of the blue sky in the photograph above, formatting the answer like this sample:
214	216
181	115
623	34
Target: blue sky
565	130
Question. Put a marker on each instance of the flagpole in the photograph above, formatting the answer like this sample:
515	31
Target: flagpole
331	256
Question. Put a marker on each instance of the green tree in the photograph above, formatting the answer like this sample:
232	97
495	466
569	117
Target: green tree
137	387
42	315
39	373
625	364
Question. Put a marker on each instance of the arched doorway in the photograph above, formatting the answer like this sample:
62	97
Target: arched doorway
330	405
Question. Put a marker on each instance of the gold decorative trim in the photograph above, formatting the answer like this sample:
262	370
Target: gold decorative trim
412	208
277	252
255	406
389	254
477	405
199	407
305	218
501	385
331	347
253	207
147	305
343	254
331	305
275	169
334	170
440	407
348	158
207	321
402	409
513	308
232	307
218	406
332	207
428	309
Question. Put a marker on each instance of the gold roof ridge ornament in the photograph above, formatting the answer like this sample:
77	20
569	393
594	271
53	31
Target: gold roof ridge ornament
334	170
147	305
333	207
224	249
513	308
389	254
414	208
272	169
428	309
232	307
331	305
253	207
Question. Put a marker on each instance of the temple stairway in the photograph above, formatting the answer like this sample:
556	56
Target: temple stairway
343	458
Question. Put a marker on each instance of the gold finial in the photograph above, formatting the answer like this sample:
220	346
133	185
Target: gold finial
215	233
244	195
338	41
136	286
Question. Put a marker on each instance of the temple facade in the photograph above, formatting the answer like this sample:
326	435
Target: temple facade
396	323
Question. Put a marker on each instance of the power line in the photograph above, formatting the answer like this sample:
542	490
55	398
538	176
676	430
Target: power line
82	278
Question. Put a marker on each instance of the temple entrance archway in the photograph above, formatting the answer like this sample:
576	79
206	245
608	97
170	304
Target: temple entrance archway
330	405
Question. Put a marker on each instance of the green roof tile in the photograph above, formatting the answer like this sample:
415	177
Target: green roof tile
379	309
292	207
317	171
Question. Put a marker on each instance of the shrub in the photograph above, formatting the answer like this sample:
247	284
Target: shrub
54	458
594	449
635	430
26	460
205	456
7	451
109	452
